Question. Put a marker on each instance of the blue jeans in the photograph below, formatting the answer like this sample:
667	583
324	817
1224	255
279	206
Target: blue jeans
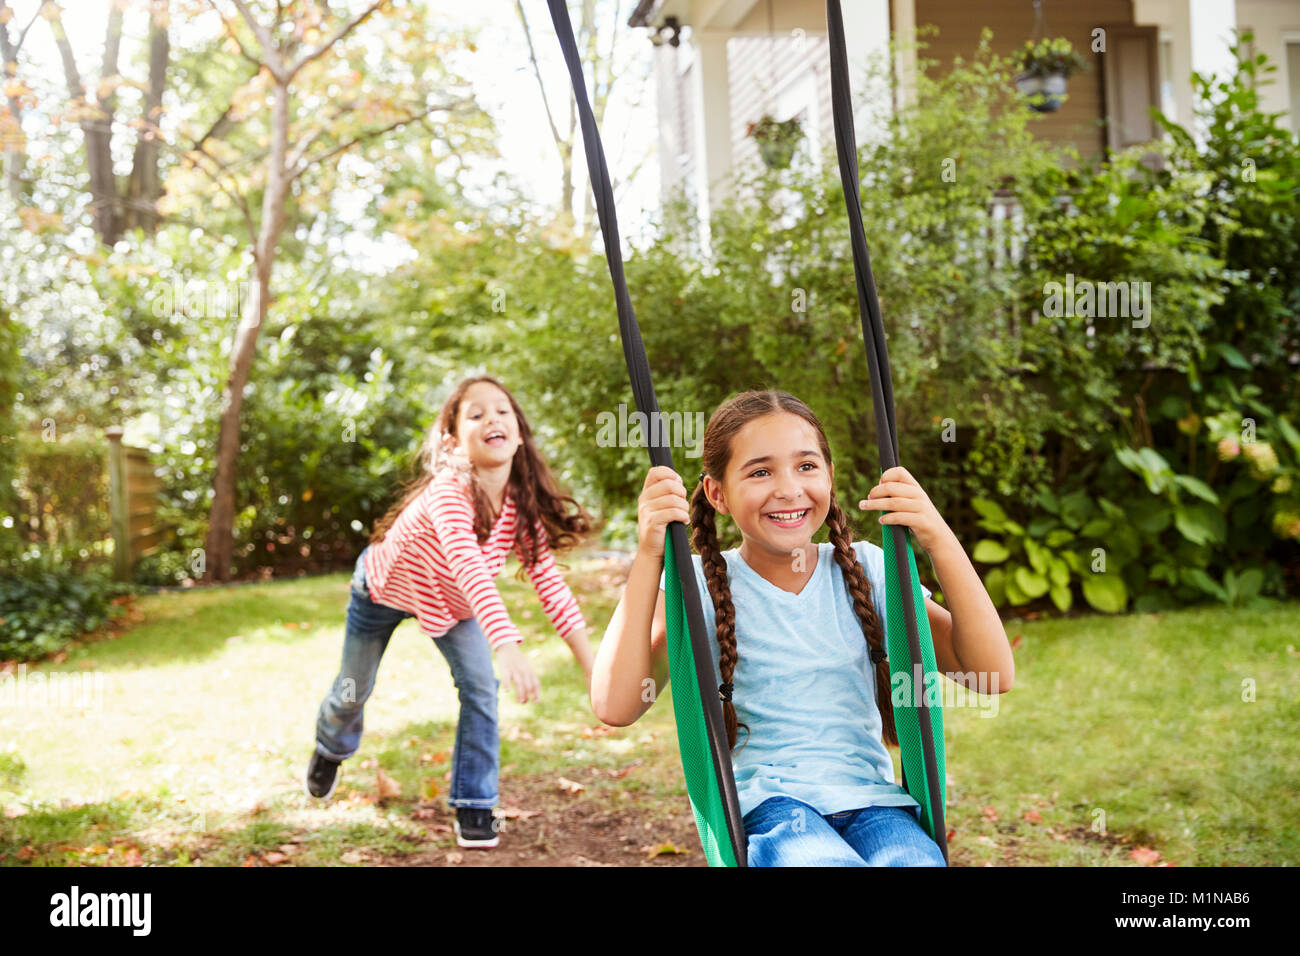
783	831
477	753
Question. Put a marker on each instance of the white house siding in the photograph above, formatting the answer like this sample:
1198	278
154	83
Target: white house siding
783	76
1276	25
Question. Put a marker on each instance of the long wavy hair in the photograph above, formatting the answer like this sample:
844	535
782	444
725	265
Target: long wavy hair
533	487
723	425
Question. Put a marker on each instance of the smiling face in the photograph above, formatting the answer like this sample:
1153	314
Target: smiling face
777	487
486	426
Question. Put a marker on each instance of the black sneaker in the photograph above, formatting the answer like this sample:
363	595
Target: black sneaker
322	775
474	828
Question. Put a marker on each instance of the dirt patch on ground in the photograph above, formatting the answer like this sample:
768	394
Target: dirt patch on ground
545	826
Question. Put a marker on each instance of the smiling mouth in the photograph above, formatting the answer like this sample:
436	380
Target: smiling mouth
495	439
787	519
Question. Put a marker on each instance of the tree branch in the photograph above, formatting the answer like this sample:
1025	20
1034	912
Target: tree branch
344	31
269	50
240	202
532	57
230	32
371	134
23	36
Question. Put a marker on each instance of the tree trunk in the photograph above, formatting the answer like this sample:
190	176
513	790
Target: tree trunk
15	157
145	189
220	544
98	132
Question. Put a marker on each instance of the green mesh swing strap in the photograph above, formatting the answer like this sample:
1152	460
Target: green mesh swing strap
706	755
906	688
692	735
908	641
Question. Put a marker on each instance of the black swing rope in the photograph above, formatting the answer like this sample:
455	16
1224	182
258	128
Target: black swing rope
638	368
882	391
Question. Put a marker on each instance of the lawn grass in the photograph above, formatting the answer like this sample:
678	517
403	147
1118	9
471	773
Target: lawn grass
1120	735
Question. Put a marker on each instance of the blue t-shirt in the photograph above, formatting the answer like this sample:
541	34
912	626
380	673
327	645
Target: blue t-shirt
804	685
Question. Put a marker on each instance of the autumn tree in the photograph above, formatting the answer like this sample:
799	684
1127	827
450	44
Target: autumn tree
321	86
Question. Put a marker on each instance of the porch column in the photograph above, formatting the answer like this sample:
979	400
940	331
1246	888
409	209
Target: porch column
712	94
866	39
1199	34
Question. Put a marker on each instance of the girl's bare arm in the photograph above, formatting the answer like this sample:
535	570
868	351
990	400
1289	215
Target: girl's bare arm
631	667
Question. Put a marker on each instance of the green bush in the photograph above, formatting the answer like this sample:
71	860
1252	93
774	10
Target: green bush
10	362
62	494
42	610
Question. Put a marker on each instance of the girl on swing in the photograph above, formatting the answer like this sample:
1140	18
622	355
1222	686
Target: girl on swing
814	780
484	491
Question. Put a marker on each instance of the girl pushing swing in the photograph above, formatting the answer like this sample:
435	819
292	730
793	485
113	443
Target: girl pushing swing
484	491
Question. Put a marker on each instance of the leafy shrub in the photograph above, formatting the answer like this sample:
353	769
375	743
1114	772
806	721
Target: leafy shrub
42	610
9	366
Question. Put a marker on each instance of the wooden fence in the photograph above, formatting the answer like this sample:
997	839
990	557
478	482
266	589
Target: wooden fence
133	487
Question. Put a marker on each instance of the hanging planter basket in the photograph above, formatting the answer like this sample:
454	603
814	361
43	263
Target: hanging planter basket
1044	93
1045	68
776	140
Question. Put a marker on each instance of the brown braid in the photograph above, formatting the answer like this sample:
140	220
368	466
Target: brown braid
841	536
704	538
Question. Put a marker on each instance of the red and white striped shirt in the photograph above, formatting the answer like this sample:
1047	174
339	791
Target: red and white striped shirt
430	564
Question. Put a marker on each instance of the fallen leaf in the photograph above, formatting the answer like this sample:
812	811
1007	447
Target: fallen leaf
26	853
1145	856
454	857
387	787
570	786
274	858
1019	639
514	813
352	856
663	849
431	789
250	861
1033	816
991	814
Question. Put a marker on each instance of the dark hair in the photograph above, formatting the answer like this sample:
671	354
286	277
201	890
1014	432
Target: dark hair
723	425
531	484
